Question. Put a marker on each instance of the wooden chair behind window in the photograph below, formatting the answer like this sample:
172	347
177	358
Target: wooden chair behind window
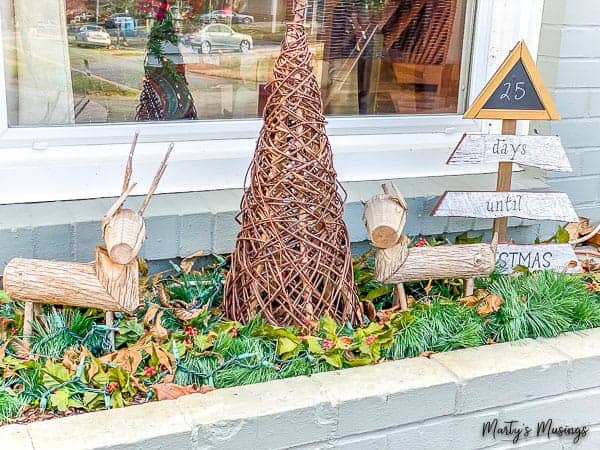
416	39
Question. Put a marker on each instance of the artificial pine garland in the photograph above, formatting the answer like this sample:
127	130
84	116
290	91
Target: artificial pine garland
189	343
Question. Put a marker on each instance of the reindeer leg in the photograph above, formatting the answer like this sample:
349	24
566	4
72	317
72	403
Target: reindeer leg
110	322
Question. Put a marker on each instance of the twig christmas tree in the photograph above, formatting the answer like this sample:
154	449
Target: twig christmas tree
292	259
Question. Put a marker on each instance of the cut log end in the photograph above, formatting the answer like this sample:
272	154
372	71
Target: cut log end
122	253
384	236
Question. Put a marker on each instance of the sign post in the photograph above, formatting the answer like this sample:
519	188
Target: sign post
515	92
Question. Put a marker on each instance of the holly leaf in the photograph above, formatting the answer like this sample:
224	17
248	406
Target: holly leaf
92	400
287	348
378	292
314	345
334	359
54	374
60	399
562	236
464	238
329	326
4	298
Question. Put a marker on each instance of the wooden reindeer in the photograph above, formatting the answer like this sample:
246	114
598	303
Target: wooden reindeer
395	263
110	283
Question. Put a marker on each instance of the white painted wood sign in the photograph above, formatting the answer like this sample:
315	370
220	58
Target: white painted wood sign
491	205
557	257
545	152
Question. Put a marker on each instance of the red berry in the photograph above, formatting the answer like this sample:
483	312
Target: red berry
190	330
421	242
111	387
327	344
592	287
370	339
149	371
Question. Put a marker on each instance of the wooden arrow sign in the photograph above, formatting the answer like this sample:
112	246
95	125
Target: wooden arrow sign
557	257
545	152
492	205
516	91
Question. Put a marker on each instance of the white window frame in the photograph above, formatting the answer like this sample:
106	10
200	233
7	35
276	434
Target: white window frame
86	161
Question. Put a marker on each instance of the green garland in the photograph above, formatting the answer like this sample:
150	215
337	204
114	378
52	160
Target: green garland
163	31
69	364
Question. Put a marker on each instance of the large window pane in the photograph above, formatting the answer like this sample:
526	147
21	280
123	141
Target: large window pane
85	61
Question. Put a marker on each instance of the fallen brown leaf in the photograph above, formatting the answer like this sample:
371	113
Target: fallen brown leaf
490	341
150	316
171	391
368	309
491	304
185	315
157	331
428	287
188	262
427	354
470	301
71	359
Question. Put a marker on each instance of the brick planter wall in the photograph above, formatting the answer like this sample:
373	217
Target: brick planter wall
419	403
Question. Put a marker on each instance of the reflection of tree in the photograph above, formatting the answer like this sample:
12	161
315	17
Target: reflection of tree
79	6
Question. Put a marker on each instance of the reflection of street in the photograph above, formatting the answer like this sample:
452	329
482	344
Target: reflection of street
223	85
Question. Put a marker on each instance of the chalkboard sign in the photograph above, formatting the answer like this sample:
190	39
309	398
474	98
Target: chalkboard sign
516	91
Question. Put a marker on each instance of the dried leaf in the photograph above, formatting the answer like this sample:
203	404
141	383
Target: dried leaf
150	316
368	309
20	348
427	354
188	262
490	341
428	287
491	304
470	301
129	358
157	331
71	359
163	296
171	391
385	314
185	315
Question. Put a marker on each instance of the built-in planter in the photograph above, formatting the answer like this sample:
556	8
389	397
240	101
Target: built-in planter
440	403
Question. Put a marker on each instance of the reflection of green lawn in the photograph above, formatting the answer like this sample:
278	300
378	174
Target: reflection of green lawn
84	85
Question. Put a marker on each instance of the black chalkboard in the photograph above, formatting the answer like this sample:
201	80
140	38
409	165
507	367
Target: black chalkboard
515	92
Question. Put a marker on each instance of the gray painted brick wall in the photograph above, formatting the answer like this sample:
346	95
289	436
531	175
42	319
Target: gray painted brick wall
180	224
569	60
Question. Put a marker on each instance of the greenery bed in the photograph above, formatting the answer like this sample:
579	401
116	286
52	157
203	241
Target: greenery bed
179	343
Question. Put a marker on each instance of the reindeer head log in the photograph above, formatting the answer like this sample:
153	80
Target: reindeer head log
124	235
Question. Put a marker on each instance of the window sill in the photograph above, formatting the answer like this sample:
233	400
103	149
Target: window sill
180	224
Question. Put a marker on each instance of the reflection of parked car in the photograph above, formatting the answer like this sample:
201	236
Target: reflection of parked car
92	35
220	37
226	17
111	21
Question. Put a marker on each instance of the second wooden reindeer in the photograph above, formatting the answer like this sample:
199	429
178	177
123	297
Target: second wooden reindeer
385	217
110	283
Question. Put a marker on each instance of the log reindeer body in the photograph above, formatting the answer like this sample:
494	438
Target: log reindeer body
395	263
110	283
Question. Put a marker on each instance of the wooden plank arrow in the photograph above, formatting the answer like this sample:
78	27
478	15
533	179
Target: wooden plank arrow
545	152
557	257
492	205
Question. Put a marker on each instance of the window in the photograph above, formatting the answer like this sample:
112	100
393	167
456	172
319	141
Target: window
65	136
76	64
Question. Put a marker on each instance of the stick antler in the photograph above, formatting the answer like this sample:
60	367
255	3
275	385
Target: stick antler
157	177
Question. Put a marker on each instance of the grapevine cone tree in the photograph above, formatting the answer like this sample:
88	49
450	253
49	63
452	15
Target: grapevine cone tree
292	261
